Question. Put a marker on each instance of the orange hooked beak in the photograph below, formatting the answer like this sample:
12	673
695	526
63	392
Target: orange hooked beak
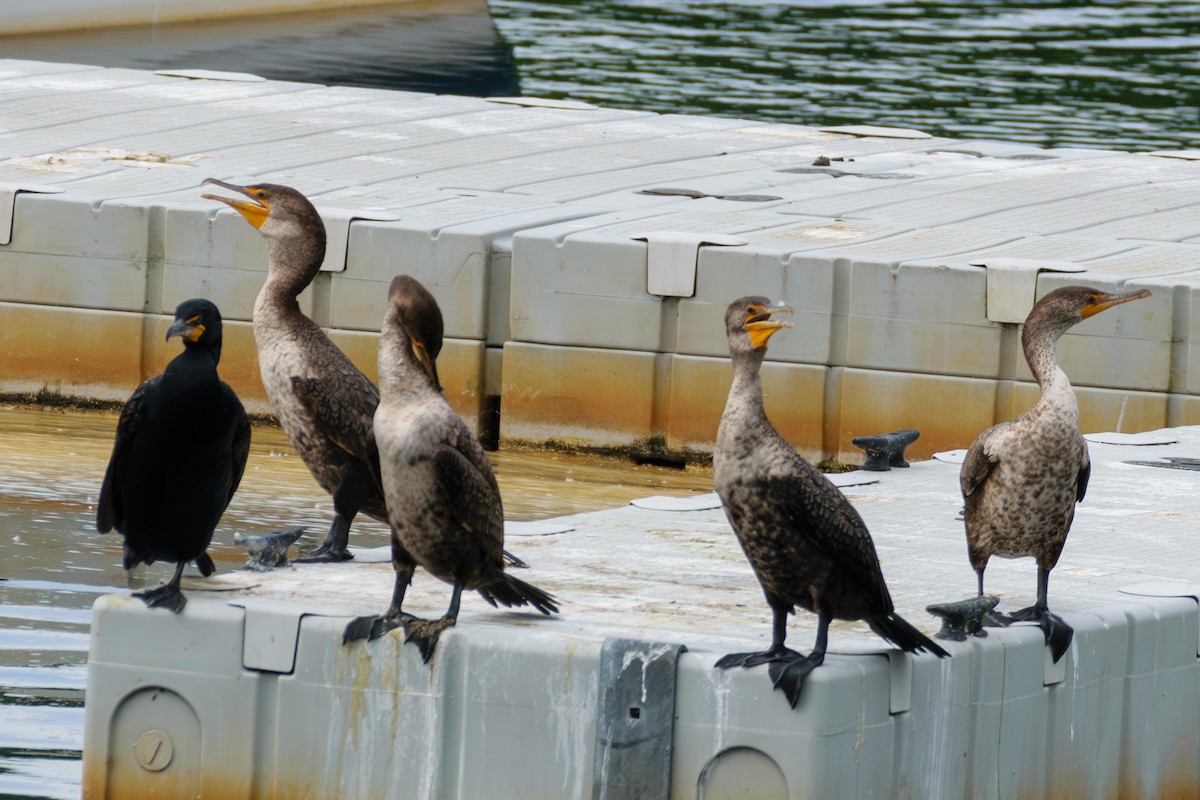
759	324
1102	300
255	208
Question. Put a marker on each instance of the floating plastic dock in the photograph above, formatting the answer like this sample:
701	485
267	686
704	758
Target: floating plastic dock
583	256
250	693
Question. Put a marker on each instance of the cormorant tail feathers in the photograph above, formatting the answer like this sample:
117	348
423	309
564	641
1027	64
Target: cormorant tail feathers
899	632
510	591
205	564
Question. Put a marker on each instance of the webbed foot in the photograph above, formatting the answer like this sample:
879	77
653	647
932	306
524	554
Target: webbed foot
373	626
1057	632
787	668
425	633
326	553
166	596
788	676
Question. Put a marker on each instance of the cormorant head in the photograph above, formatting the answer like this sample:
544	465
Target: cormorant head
198	323
280	213
1064	307
749	325
411	306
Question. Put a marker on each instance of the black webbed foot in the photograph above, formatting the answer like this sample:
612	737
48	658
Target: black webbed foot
374	626
425	633
965	617
747	660
268	551
787	668
1057	632
166	596
326	553
788	676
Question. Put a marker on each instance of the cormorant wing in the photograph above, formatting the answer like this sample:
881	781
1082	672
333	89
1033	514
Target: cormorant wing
817	510
982	457
471	492
345	415
1085	472
241	440
109	512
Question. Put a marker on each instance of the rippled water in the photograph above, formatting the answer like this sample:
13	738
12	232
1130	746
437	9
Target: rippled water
1123	75
54	565
1049	72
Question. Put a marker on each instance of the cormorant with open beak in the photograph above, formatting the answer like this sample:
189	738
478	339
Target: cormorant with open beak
807	544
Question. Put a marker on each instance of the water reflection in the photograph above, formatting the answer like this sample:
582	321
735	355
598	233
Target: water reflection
449	46
55	565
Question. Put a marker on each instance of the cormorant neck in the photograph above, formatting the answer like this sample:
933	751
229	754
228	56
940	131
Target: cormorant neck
1039	340
196	357
293	262
747	380
400	374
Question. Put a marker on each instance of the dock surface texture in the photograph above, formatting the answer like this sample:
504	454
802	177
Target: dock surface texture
618	697
583	256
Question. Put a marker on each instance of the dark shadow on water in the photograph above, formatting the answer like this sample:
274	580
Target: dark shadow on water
445	48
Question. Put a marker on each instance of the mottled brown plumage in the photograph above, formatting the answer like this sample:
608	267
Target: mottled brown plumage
806	543
1021	479
443	502
324	403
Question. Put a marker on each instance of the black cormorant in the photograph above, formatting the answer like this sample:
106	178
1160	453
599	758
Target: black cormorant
181	446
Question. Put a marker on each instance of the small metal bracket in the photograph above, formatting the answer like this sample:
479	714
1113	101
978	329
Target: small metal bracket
635	720
1012	285
672	256
337	233
8	204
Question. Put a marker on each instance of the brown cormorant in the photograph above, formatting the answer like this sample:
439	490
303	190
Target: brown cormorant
442	499
1021	479
324	403
806	543
181	446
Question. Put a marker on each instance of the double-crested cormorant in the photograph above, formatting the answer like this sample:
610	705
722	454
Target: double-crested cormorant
324	403
442	499
806	543
1021	479
180	450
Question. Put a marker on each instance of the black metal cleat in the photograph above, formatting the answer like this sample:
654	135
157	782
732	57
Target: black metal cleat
886	450
268	551
963	617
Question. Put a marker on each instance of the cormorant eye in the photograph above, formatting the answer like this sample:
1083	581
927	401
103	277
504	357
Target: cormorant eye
262	195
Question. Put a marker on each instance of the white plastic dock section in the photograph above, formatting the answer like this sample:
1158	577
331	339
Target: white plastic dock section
250	693
74	15
583	256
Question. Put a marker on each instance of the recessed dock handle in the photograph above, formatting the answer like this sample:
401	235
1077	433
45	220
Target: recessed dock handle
672	258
